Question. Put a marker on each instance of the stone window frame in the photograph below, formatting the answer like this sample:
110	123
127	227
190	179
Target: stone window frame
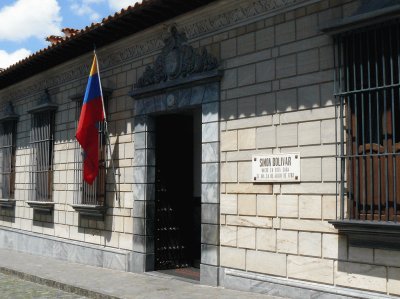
8	123
358	228
42	200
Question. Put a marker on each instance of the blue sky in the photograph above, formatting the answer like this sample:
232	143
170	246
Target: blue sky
24	24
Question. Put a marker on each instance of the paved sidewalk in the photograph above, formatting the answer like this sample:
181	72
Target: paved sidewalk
102	283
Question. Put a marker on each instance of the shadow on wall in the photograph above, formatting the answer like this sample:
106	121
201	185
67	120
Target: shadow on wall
278	102
113	176
362	261
103	227
43	219
7	214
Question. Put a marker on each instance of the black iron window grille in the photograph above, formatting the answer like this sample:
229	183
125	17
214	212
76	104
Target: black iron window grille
41	145
7	159
367	86
85	194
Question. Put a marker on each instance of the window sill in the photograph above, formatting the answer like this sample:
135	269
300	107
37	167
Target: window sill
370	234
7	203
91	211
42	206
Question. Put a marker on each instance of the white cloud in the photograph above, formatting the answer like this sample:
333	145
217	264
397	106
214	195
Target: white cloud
29	18
117	5
87	7
84	8
7	59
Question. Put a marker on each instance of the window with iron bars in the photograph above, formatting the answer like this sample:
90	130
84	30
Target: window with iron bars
85	194
41	145
7	159
367	89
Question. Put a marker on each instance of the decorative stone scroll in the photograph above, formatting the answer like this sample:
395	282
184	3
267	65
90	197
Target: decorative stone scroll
8	114
177	60
44	104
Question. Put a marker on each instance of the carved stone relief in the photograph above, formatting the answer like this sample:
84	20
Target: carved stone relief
177	60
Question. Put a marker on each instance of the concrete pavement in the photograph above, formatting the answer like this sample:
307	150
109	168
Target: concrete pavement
102	283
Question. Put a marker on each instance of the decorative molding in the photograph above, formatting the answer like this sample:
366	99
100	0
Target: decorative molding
367	14
37	87
7	203
8	114
91	211
41	206
177	60
188	82
44	104
236	15
133	52
370	234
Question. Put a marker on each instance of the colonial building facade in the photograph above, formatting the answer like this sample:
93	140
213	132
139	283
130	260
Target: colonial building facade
256	141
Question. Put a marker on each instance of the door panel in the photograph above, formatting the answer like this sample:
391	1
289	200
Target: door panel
174	192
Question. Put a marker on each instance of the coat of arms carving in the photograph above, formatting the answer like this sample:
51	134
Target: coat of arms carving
177	60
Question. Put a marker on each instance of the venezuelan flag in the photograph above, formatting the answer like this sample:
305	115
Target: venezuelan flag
87	133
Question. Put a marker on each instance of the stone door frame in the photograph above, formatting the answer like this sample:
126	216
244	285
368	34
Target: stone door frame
204	95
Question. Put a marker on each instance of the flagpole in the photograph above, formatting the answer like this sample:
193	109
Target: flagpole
101	89
106	124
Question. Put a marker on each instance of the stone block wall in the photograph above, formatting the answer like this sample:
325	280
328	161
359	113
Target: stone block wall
276	96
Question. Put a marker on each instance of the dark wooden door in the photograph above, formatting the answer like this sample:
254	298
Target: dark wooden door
174	191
